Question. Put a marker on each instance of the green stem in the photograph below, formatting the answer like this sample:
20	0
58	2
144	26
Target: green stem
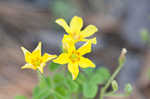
40	76
102	93
103	90
120	95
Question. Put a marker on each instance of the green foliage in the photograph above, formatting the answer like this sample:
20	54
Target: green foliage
90	90
72	85
53	66
145	35
43	89
20	97
58	78
63	8
104	73
114	85
90	86
61	85
128	89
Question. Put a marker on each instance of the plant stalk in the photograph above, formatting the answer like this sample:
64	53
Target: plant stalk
103	90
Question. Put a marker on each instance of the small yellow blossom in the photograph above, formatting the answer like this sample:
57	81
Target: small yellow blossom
34	60
67	41
75	58
74	30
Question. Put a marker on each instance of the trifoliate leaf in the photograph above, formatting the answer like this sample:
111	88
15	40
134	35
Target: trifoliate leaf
58	78
90	90
71	84
104	72
88	72
42	91
45	82
97	79
52	96
62	90
81	78
59	96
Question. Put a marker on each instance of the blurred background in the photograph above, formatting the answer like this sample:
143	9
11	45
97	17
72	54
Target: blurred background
120	23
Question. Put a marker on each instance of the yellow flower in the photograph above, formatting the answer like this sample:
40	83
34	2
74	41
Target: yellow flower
34	60
67	41
75	58
74	30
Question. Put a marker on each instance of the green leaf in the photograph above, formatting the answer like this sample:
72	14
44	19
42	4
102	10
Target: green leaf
36	91
128	89
90	90
97	79
63	9
104	72
59	96
45	82
53	66
42	91
20	97
88	71
100	76
71	84
62	90
81	78
145	35
51	96
58	78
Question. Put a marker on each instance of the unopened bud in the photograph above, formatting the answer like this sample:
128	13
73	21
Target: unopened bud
123	53
114	85
128	89
122	56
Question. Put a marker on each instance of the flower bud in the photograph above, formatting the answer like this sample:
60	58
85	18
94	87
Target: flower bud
122	56
114	85
128	89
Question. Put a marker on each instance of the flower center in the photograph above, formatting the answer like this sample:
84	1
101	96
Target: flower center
74	57
36	61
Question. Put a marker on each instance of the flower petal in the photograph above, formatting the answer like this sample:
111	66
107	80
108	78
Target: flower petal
41	67
86	48
28	66
73	69
85	63
27	54
62	59
63	23
37	51
68	43
93	40
88	31
76	24
47	57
